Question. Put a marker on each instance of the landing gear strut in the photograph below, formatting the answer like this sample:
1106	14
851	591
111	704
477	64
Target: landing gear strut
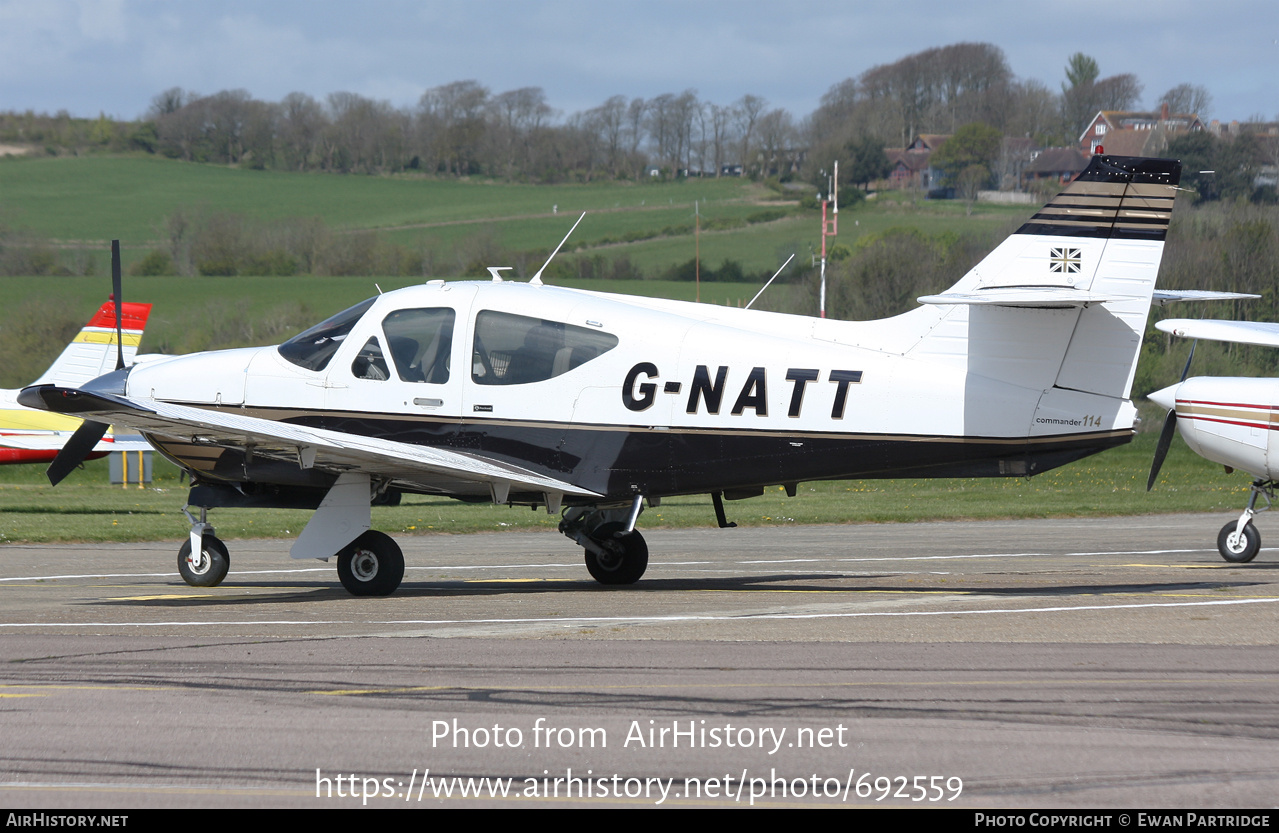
208	564
624	558
615	552
1239	541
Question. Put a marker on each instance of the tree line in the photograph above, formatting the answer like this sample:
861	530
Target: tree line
465	129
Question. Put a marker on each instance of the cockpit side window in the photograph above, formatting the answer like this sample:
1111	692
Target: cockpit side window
313	348
420	341
517	350
370	364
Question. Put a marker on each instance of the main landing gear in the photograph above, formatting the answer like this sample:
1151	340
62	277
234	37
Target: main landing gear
615	552
371	565
1239	541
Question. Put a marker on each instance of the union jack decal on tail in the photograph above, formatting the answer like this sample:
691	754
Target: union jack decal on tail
1065	260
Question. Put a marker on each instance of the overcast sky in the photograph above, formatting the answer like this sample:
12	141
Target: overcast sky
113	56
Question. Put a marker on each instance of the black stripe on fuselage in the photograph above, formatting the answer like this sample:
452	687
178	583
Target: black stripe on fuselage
622	460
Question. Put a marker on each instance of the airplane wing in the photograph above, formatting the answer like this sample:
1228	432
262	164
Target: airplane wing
1238	332
309	447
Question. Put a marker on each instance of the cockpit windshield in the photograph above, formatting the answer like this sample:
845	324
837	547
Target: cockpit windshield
313	348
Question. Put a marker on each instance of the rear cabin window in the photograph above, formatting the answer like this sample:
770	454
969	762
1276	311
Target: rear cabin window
313	348
518	350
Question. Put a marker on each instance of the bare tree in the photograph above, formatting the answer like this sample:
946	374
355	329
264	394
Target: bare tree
747	110
515	117
301	121
455	115
1118	92
776	132
1187	98
170	101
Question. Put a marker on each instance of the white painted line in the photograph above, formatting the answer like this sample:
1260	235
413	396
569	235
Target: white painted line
601	620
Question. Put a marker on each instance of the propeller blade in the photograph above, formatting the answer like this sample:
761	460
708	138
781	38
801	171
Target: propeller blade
117	291
76	450
1189	359
1161	450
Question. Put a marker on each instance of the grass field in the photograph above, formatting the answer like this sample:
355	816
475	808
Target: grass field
101	197
84	201
85	508
88	200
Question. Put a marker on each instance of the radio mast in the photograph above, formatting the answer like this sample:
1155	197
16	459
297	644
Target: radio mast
829	227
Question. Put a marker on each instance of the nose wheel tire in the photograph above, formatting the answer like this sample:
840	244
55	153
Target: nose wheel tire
1238	548
213	563
372	565
625	558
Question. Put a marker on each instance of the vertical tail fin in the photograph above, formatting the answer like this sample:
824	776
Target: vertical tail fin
1063	301
1127	203
94	351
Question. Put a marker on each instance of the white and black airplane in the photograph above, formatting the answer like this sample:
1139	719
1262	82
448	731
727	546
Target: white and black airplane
595	404
1228	420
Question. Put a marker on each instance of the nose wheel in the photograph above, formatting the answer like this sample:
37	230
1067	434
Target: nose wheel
206	568
1238	547
1239	541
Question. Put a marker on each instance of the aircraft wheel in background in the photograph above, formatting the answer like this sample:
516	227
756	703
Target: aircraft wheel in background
1238	549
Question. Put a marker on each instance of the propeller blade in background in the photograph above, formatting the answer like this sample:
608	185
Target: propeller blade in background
117	292
1161	450
1189	359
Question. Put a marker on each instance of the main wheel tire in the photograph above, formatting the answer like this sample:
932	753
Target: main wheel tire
371	565
1238	549
214	564
626	559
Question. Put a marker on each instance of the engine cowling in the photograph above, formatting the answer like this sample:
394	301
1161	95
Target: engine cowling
1232	421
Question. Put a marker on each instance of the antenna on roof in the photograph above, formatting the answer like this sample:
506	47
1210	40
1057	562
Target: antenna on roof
537	279
496	270
770	280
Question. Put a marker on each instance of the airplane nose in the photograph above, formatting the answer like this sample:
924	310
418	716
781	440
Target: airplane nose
1166	398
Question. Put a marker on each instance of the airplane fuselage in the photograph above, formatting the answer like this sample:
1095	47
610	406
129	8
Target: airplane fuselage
626	396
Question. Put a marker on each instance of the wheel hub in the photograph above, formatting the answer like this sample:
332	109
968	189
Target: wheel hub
364	565
200	562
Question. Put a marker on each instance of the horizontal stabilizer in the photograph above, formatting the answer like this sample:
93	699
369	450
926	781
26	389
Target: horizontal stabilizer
1236	332
1171	296
1038	296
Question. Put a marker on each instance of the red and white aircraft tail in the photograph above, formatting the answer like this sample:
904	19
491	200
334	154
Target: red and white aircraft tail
31	436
